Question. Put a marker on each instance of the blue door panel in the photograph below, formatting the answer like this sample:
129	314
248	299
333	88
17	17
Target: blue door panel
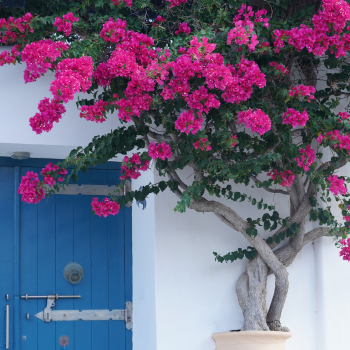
59	230
46	260
82	244
29	271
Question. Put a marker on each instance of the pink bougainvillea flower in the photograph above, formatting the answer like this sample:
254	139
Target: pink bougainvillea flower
105	208
64	24
188	123
160	150
202	144
295	118
307	157
256	121
285	178
336	185
30	188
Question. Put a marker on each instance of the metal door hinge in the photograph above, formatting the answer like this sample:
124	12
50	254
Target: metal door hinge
128	315
48	314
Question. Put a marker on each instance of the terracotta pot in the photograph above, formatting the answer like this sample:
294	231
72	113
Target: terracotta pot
251	340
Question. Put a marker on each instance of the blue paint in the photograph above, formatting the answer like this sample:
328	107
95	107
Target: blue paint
37	241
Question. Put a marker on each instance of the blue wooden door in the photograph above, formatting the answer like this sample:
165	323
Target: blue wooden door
37	241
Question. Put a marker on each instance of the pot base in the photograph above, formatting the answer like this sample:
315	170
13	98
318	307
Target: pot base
251	340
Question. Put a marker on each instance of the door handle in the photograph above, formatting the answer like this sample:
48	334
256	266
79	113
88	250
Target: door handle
7	326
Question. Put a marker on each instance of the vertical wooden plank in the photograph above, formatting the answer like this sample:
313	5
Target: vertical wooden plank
99	257
128	268
29	270
116	270
16	261
64	255
82	255
46	267
6	246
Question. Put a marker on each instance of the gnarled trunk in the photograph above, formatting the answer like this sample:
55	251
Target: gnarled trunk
251	292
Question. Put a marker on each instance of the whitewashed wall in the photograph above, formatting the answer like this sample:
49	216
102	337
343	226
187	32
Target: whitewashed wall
181	295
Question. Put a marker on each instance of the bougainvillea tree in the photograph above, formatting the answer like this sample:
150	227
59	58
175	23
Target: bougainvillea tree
241	93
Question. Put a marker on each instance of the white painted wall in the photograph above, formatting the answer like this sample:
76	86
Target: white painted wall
181	295
19	102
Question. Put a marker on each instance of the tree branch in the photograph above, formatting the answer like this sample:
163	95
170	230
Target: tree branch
254	178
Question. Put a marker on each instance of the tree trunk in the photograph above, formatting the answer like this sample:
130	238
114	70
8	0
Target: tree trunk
251	292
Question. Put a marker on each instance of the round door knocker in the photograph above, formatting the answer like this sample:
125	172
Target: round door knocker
73	272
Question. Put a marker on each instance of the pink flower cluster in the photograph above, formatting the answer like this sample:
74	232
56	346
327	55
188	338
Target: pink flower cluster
49	169
15	28
264	45
159	19
244	27
50	112
40	56
336	185
344	115
345	249
127	2
256	121
342	141
335	14
65	24
198	48
285	178
279	67
307	157
164	57
183	28
295	118
9	57
234	141
236	82
188	123
131	167
105	208
72	75
202	144
31	189
302	90
161	150
96	112
113	31
174	3
202	100
133	58
244	76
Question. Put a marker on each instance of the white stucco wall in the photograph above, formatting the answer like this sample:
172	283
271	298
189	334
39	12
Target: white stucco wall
181	295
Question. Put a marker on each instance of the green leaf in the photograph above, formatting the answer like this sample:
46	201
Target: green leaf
277	239
162	185
294	227
267	225
249	231
274	226
313	216
236	196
